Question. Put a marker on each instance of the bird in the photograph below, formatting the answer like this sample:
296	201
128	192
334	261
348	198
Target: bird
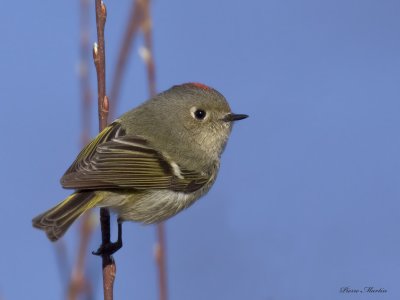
149	164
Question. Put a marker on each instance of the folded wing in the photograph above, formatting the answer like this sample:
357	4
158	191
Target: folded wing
115	160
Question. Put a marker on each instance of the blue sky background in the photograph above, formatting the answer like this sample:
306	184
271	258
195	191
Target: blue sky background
307	199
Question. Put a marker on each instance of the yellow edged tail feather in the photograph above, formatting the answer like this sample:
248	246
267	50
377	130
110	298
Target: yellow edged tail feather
57	220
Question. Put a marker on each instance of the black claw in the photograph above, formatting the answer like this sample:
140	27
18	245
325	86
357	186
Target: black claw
110	248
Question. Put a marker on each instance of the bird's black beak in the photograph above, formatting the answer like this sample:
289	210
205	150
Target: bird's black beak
234	117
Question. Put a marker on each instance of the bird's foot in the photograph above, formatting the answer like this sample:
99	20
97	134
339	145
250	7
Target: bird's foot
110	248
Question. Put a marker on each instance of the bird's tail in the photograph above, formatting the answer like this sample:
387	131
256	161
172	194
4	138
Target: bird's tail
57	220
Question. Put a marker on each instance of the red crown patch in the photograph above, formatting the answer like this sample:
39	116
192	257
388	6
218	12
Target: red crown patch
199	85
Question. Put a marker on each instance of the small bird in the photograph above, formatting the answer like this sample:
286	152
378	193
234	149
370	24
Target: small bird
151	163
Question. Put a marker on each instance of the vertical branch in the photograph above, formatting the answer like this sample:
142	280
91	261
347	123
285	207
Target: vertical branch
79	284
132	28
147	55
108	263
160	255
109	268
148	58
99	61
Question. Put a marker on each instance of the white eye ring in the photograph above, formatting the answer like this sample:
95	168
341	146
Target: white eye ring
198	113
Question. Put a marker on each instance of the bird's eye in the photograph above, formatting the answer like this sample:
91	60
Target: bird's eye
199	114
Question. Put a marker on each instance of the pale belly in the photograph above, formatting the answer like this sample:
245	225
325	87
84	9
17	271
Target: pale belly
151	206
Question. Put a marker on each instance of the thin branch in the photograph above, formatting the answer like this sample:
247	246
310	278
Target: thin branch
108	264
132	28
147	55
160	257
99	60
109	267
146	27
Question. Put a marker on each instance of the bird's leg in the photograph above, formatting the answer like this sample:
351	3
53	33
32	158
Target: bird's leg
110	248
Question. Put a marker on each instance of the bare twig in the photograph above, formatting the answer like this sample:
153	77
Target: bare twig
79	284
99	60
109	268
147	55
132	28
146	27
160	255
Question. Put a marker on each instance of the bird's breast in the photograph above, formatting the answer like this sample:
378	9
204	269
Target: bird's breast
151	206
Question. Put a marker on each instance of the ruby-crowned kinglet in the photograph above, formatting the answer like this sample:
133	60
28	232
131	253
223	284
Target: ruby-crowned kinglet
149	164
